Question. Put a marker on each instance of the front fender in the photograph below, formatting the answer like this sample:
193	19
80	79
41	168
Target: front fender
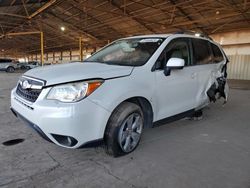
115	91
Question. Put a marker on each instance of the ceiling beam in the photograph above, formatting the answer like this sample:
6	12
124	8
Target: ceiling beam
187	16
12	2
50	30
74	27
83	11
201	20
25	8
128	15
12	15
240	10
41	9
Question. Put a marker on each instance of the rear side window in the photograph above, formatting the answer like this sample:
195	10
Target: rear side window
5	60
218	57
202	52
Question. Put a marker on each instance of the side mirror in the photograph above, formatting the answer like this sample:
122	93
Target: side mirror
173	63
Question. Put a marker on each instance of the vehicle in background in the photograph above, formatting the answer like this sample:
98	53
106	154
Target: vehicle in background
7	65
46	64
22	66
32	64
29	65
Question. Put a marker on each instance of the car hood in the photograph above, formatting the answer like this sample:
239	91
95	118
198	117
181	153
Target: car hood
56	74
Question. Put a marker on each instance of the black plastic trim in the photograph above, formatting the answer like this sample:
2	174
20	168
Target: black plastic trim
32	125
92	143
174	118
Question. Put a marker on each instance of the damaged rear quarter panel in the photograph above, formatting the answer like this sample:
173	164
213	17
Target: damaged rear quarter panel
208	84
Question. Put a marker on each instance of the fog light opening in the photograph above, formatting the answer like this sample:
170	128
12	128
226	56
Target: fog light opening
65	140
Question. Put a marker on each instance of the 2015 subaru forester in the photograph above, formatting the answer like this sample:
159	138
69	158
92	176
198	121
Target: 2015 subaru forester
130	84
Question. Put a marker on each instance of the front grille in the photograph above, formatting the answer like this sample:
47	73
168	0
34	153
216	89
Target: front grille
28	94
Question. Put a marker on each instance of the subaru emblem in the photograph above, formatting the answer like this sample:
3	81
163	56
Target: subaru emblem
25	84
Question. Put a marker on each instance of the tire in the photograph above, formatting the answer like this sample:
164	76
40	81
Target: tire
124	129
10	69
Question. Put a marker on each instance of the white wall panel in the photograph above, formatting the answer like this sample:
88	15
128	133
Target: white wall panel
239	67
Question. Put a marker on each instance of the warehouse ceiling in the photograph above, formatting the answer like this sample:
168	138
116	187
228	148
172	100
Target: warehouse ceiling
100	21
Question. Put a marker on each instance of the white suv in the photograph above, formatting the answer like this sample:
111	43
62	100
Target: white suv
7	65
131	84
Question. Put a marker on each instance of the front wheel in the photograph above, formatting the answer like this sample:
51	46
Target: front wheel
124	129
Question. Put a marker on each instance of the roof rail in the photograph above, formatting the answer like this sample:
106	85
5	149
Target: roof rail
203	35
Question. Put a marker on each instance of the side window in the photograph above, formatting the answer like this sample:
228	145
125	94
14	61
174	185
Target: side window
177	48
5	60
218	57
2	60
202	52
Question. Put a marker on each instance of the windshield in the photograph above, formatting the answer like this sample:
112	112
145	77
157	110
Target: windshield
127	52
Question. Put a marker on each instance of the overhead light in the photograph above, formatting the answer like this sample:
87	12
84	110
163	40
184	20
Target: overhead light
197	34
2	50
62	28
217	12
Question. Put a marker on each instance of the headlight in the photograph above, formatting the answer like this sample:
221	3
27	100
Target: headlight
73	92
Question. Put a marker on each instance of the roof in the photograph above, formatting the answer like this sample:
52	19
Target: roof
151	36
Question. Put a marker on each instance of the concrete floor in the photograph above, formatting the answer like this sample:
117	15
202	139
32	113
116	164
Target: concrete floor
213	152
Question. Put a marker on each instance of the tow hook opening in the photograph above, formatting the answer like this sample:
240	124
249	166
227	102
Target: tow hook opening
13	142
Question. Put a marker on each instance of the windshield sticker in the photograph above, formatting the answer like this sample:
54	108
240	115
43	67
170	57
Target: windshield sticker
149	40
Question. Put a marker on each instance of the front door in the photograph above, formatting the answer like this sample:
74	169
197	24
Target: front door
175	93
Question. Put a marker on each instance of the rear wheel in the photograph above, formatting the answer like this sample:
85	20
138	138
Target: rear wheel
10	69
124	129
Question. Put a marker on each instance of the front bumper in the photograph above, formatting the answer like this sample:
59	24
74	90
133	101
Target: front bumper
80	122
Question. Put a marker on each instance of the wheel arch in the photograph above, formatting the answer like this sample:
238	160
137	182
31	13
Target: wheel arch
146	107
10	66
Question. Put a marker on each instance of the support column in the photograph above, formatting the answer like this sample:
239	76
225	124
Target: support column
42	49
80	49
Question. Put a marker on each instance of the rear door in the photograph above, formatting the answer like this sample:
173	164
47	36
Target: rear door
4	63
220	62
175	93
1	66
205	68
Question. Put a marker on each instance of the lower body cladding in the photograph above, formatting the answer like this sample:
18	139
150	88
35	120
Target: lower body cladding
71	125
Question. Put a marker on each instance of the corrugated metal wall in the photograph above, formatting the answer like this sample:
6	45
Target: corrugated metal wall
239	67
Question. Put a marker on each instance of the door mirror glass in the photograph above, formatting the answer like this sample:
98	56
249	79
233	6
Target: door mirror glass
173	63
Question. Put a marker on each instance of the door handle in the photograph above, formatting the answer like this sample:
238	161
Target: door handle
193	75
